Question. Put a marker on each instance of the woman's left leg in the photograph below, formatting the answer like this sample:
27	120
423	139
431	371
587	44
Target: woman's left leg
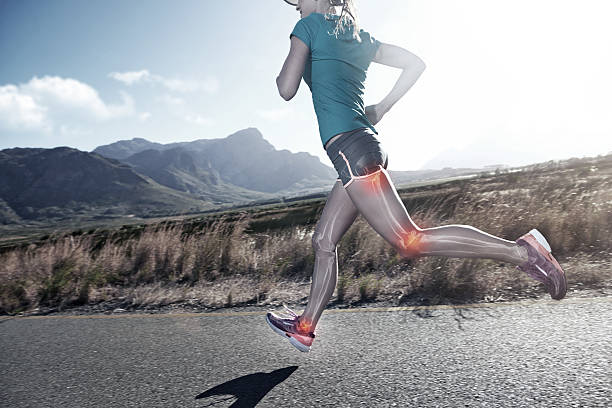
338	215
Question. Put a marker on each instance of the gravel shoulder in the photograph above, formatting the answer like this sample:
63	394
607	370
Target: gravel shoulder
122	306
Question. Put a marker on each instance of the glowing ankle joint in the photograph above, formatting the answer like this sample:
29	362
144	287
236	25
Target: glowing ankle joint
304	325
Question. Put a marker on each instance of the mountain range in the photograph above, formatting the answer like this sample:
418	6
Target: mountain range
62	182
243	159
144	179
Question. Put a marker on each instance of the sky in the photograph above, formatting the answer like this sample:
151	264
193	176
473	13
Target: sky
507	82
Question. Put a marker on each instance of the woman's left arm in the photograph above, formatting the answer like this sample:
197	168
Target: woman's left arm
288	81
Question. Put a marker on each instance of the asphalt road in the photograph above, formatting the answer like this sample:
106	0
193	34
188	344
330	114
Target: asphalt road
504	355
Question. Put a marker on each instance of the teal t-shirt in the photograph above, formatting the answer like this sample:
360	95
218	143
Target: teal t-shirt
335	73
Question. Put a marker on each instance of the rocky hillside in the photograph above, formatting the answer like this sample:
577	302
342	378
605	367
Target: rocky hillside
61	182
244	159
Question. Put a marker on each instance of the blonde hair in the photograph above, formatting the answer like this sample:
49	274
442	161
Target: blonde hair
348	17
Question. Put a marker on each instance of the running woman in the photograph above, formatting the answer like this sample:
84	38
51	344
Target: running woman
332	55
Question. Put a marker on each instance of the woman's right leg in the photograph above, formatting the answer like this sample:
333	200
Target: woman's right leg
338	215
378	202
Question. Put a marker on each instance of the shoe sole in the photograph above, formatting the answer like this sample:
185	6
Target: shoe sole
540	238
296	343
544	249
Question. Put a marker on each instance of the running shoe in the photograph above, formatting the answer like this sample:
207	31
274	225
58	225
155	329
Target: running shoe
541	265
289	327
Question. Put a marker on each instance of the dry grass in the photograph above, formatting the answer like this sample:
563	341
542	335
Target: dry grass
223	264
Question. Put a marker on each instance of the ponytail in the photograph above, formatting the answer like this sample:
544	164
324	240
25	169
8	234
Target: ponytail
348	17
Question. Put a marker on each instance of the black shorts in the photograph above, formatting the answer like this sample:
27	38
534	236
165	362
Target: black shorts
356	154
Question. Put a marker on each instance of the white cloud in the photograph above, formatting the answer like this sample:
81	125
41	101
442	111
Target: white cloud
43	103
71	94
209	85
144	116
274	115
130	78
19	110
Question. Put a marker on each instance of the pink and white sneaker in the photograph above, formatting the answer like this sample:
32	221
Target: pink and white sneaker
541	265
289	328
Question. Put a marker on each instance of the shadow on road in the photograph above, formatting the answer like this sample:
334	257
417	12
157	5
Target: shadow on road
461	314
249	389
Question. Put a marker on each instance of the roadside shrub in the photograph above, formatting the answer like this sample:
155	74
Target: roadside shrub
571	206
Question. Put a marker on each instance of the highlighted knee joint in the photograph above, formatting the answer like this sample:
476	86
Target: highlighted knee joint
411	244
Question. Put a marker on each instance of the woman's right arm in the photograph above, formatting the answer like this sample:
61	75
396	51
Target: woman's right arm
398	57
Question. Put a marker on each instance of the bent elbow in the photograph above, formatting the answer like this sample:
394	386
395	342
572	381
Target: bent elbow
284	91
413	62
419	65
286	95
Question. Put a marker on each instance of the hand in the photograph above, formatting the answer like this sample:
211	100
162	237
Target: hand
374	113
